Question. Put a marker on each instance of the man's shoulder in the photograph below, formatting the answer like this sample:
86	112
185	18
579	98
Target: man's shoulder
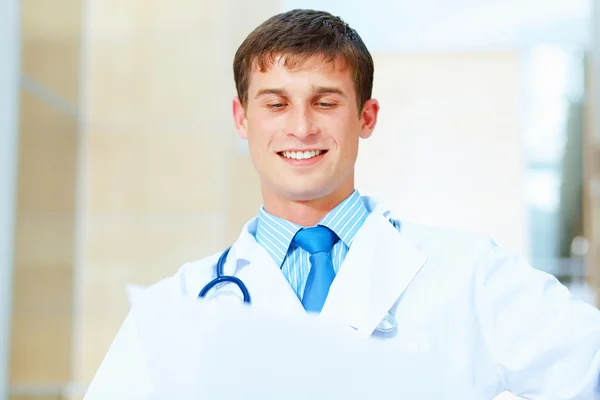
425	233
445	243
185	279
429	236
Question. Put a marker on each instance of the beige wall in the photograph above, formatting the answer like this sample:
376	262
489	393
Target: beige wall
41	326
447	147
41	337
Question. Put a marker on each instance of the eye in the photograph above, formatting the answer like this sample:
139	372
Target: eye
325	105
275	105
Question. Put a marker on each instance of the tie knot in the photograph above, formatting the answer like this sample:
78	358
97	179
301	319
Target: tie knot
316	239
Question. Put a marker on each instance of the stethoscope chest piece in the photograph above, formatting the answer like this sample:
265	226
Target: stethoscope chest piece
387	324
387	327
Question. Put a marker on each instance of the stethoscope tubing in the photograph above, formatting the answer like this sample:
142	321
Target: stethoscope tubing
222	278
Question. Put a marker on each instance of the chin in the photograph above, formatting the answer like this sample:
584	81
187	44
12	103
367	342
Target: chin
303	197
308	194
293	187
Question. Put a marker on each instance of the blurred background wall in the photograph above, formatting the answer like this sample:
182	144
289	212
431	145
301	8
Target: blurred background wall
42	318
128	162
9	87
463	167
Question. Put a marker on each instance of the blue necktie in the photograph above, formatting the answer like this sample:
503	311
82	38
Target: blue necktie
317	241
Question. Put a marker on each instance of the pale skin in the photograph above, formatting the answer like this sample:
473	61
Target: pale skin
310	108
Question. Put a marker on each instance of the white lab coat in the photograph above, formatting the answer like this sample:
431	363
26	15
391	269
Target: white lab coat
501	324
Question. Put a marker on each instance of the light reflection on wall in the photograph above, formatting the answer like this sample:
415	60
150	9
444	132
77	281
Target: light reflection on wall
553	93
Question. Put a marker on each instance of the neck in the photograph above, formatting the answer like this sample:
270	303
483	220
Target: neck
305	213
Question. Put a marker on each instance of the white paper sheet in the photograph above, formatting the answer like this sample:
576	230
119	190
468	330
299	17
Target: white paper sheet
200	350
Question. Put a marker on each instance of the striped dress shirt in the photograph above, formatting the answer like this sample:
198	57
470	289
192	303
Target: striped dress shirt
276	234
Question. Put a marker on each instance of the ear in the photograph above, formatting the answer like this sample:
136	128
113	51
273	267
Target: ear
239	118
368	118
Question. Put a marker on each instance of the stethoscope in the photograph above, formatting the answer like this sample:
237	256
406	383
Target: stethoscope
222	278
386	328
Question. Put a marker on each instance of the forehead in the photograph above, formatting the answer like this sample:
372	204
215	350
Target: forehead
283	71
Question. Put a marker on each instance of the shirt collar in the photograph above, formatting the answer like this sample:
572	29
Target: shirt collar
275	234
347	218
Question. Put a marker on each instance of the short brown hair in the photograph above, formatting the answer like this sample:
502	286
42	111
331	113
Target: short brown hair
299	35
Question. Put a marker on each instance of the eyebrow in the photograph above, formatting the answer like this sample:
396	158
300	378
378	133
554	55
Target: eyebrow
262	92
329	90
317	90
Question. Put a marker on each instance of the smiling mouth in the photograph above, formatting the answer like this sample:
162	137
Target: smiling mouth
301	155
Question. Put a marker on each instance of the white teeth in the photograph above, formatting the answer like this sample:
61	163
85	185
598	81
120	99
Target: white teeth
301	155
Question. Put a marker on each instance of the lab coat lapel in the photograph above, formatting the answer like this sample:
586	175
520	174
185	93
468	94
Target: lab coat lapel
268	287
379	266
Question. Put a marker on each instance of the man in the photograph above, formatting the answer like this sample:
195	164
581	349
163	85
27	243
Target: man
304	81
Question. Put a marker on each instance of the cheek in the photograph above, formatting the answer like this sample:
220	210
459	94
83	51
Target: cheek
260	134
255	127
345	133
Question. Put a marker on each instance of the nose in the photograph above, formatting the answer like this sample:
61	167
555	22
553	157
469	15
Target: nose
301	122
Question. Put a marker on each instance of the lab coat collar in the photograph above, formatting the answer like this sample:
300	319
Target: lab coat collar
376	271
378	268
268	287
246	244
